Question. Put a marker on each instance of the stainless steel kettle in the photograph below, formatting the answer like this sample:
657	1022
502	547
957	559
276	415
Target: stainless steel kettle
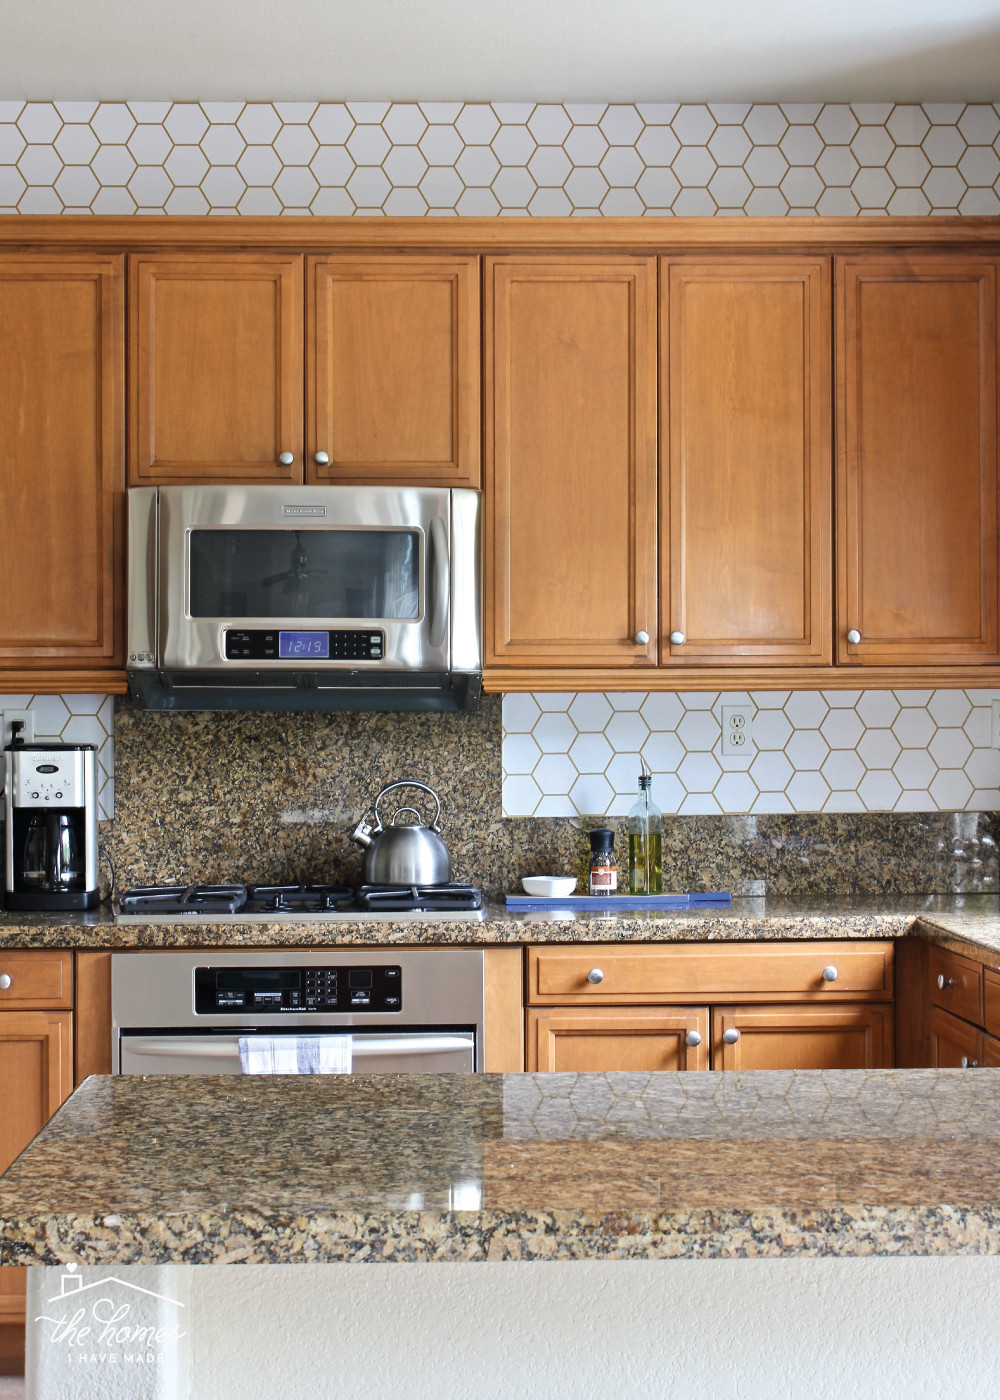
410	854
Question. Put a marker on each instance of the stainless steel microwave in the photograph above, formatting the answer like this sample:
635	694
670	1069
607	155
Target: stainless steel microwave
304	598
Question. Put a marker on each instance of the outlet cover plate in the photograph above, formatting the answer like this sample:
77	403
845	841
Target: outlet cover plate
28	719
737	731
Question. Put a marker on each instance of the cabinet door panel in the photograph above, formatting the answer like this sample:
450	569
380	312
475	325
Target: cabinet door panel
802	1037
747	461
578	1040
917	468
61	460
394	370
571	461
36	1075
215	367
955	984
954	1043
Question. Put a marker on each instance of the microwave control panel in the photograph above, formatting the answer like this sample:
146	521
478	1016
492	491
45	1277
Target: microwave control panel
242	990
305	646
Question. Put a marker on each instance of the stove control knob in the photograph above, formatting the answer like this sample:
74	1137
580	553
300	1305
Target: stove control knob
595	975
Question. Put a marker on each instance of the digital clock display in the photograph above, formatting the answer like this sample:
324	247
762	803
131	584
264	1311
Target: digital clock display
304	644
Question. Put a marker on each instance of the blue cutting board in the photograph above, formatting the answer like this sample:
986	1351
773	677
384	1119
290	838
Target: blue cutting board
613	904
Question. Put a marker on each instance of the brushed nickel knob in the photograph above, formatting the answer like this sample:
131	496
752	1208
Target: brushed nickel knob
830	973
677	639
944	981
969	1064
595	975
322	459
854	636
286	458
693	1038
642	639
5	981
731	1036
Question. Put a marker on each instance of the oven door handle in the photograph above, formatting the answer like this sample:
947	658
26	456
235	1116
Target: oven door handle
440	573
224	1048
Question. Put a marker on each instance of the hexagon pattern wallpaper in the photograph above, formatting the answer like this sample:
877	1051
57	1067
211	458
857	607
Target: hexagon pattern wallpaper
566	754
437	158
807	751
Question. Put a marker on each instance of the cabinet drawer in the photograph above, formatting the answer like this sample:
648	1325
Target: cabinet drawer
38	981
991	1001
626	974
956	985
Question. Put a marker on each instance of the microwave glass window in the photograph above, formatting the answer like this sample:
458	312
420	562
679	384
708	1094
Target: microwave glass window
370	574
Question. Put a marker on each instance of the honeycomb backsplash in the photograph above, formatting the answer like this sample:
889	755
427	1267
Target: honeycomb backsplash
810	751
438	158
76	719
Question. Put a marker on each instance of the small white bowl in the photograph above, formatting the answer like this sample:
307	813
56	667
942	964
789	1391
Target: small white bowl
548	885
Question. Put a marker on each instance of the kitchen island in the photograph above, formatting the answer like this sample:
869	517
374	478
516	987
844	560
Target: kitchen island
463	1168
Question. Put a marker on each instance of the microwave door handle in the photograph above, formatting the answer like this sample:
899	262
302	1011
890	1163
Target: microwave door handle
440	576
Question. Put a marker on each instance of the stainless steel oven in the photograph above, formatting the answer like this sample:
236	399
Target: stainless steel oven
393	1010
304	597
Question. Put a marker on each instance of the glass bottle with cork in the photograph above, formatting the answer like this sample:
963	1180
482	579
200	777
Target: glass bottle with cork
645	839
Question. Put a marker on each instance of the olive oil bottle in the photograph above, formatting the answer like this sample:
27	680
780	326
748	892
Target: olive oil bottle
645	840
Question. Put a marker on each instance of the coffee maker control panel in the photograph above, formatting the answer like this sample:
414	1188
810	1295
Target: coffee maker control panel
48	779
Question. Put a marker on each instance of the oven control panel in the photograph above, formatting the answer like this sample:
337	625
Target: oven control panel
282	644
251	990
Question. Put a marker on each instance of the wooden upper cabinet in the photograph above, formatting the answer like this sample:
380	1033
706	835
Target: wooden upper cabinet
570	386
393	370
917	459
745	403
62	368
215	367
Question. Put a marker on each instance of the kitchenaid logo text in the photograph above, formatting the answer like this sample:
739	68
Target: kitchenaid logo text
303	510
103	1328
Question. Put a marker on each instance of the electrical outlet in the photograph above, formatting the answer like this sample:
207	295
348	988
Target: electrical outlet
27	717
737	737
995	733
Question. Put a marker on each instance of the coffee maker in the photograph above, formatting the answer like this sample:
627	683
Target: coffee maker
50	809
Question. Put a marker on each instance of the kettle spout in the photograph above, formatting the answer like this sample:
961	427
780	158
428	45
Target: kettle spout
362	833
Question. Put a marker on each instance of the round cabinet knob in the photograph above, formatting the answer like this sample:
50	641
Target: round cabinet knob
322	459
944	981
677	639
286	458
5	981
969	1064
830	973
692	1038
595	975
731	1036
642	639
854	636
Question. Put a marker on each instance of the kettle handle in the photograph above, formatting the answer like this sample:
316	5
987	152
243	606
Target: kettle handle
409	782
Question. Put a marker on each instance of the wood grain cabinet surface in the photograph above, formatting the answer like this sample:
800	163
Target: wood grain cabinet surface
801	1037
215	368
917	467
954	1043
602	1038
570	464
62	349
393	372
745	461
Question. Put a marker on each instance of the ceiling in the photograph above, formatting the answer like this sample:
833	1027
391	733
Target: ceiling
517	50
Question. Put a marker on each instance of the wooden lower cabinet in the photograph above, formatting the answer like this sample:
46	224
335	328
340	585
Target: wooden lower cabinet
954	1043
801	1037
36	1075
991	1052
579	1039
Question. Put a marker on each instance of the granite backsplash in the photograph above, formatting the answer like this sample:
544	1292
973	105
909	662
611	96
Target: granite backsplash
272	797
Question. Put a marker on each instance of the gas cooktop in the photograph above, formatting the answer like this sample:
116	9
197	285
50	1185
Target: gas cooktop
149	904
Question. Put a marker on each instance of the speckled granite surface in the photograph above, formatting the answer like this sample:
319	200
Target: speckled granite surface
745	919
495	1167
271	797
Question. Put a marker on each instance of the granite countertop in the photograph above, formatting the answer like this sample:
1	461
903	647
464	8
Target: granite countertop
497	1167
748	918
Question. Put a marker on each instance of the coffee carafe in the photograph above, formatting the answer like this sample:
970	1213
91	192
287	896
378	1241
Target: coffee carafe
51	826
